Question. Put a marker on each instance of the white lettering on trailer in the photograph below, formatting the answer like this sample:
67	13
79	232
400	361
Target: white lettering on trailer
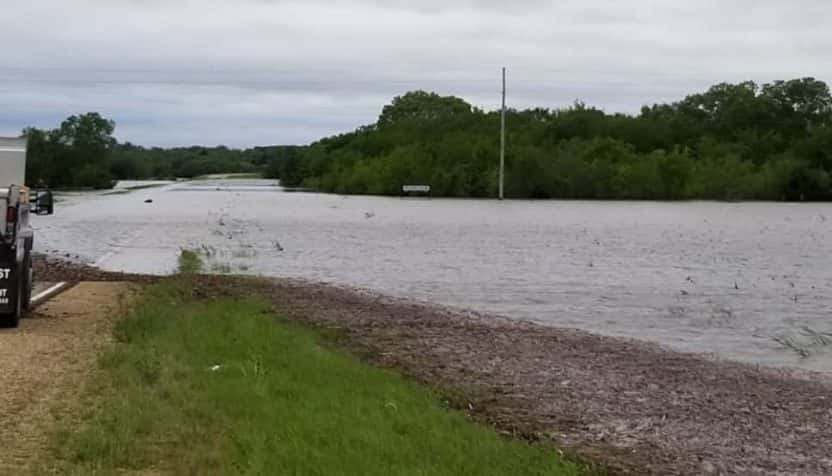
4	293
5	272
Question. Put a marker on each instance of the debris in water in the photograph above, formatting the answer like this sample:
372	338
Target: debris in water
369	214
735	285
277	245
685	293
149	200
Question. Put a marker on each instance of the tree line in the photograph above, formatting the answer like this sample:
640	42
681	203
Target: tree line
733	141
82	153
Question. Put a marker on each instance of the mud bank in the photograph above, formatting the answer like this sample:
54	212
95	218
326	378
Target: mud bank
631	405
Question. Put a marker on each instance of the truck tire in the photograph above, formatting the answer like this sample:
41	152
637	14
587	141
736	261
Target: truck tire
27	282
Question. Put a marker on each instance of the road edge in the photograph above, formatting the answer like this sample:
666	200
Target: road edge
49	293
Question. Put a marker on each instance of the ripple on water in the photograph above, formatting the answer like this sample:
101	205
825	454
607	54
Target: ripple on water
734	279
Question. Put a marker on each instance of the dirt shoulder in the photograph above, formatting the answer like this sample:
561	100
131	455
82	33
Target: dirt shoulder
632	405
43	363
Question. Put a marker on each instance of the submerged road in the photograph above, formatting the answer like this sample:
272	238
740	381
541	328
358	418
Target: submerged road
750	282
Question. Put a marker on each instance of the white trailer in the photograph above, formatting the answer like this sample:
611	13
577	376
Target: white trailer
16	234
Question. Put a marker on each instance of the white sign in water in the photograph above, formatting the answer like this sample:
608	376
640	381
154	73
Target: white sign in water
416	188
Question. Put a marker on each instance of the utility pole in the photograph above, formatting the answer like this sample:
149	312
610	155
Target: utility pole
503	135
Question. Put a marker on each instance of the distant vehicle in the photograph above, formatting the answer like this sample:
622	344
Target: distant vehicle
16	234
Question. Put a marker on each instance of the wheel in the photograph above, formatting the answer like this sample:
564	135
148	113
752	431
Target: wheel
28	281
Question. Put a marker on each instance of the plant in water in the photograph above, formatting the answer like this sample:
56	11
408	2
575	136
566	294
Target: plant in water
806	342
189	262
221	268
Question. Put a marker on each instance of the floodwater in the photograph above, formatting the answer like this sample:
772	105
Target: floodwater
704	277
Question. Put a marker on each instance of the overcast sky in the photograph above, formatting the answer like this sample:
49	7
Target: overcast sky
257	72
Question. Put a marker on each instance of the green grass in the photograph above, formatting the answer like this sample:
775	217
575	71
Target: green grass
224	387
189	262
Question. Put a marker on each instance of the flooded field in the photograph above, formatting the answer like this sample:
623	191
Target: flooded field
749	281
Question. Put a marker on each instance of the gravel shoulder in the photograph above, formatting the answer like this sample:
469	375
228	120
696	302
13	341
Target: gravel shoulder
49	269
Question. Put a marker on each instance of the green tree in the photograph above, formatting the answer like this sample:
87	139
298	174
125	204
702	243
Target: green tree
732	141
422	106
83	144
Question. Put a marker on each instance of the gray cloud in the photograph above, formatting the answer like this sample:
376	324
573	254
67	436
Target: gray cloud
250	72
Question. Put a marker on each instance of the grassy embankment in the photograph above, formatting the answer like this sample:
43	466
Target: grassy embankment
223	386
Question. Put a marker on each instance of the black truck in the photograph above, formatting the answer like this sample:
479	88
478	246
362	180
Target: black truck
16	234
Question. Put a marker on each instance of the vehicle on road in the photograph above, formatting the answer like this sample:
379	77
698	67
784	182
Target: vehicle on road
16	233
42	202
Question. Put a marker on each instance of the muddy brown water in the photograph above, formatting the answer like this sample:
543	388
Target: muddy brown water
731	279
